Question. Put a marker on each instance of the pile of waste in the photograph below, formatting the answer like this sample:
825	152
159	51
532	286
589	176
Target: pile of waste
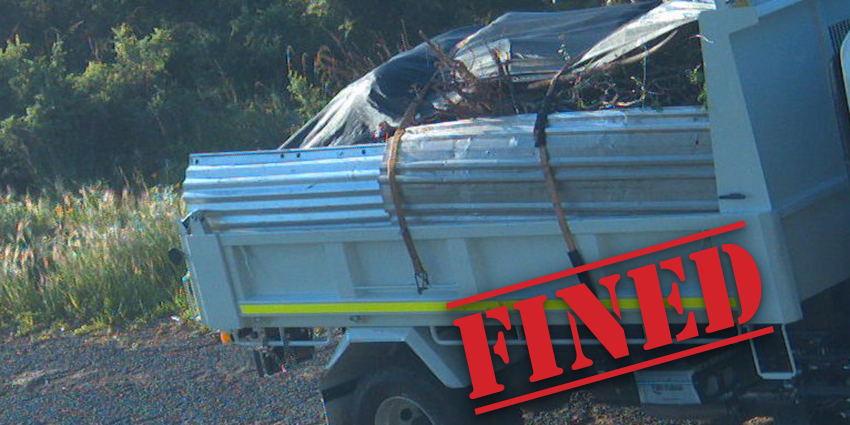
644	54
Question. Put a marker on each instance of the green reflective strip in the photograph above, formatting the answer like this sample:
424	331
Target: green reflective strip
435	306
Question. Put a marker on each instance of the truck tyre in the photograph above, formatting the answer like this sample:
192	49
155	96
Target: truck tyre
400	397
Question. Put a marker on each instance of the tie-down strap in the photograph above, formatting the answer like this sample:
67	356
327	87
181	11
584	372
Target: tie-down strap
419	273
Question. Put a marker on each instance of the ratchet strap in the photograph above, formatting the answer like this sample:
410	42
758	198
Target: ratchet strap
419	273
551	186
540	142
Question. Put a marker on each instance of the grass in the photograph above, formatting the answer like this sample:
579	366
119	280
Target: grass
91	258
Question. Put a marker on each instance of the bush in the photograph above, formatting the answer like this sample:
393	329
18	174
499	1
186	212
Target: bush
96	256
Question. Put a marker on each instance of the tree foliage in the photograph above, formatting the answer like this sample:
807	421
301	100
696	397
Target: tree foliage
99	89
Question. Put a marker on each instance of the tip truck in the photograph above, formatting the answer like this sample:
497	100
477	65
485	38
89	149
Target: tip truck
282	242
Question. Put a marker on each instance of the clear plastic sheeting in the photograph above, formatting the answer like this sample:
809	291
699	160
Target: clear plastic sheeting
534	45
657	22
382	95
522	47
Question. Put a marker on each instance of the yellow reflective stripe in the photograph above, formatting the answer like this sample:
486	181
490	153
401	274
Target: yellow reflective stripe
349	308
435	306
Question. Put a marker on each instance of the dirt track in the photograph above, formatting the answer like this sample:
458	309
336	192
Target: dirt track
166	373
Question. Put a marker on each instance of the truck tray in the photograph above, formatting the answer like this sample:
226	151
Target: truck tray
309	237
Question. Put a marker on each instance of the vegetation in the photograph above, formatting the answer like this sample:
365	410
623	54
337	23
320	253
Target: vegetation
97	89
93	256
94	90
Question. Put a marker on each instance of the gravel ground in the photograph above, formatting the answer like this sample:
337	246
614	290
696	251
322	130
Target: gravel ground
161	374
166	373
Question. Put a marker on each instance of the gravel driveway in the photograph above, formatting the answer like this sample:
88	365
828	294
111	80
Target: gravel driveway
165	373
161	374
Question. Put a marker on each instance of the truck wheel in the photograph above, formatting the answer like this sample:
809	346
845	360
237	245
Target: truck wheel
401	397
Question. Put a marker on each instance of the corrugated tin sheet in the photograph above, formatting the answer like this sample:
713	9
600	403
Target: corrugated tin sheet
263	190
619	162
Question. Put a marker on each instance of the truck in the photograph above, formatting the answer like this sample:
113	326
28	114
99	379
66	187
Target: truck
283	242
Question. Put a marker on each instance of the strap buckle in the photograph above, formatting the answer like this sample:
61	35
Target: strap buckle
422	281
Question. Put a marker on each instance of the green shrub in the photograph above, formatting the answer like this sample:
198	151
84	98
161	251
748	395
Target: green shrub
96	256
310	99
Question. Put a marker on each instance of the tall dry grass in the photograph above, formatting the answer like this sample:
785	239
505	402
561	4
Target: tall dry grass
90	257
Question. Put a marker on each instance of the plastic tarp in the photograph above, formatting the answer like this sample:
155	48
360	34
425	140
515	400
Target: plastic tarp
383	94
532	45
655	23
